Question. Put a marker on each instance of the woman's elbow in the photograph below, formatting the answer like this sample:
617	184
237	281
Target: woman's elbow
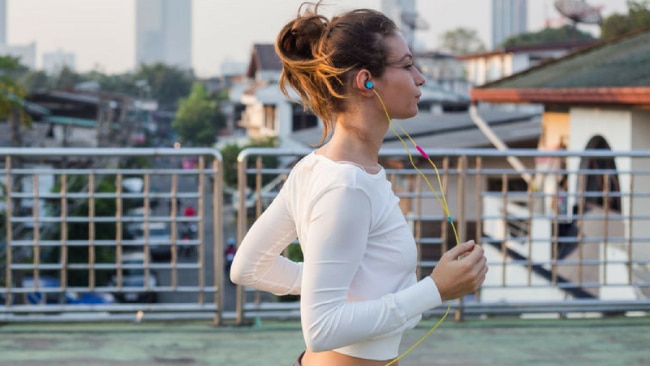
320	340
238	273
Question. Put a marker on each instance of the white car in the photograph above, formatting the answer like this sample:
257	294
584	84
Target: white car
133	280
133	220
159	239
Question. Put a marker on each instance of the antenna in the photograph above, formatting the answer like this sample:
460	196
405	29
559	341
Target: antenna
579	11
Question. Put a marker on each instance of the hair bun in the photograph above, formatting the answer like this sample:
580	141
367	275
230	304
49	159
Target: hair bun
302	36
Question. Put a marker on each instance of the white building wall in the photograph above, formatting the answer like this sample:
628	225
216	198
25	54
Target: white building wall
624	130
520	62
613	125
641	205
481	71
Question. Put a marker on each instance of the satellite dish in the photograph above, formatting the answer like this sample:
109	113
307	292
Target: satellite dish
579	11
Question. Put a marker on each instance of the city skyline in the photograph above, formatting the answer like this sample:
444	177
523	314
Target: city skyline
101	33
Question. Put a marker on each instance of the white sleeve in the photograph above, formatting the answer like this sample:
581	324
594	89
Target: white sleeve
339	226
258	262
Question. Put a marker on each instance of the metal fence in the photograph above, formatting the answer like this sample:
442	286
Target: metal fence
569	235
111	233
80	235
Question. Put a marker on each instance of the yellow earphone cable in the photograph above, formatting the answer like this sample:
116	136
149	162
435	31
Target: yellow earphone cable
441	199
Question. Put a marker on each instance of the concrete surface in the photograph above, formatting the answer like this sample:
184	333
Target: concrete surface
608	341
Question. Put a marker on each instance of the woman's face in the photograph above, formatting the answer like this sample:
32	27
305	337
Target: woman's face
400	82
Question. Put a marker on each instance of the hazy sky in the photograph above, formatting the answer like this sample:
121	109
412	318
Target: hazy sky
102	32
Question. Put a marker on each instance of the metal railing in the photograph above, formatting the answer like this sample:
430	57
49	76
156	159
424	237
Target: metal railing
575	238
111	232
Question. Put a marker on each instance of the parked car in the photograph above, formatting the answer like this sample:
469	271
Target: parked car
133	221
159	239
89	298
133	280
68	297
134	188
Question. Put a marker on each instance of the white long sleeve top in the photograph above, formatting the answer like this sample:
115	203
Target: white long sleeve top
358	287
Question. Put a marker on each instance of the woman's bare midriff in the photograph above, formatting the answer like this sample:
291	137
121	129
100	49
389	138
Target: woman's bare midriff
329	358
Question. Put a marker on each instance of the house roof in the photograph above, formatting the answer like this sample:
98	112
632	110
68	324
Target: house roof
453	130
69	107
613	72
263	58
569	46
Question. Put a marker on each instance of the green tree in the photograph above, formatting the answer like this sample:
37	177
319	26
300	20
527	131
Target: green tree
616	25
230	152
167	84
80	231
11	99
35	80
116	83
66	79
566	33
197	118
229	155
461	41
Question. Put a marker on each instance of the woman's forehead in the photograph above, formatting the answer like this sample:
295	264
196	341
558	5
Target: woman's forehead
398	49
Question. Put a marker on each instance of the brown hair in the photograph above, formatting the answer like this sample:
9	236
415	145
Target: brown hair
319	55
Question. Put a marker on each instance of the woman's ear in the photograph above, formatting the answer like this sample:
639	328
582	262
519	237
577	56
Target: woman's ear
363	82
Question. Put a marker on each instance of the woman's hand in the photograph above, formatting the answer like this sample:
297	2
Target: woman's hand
460	271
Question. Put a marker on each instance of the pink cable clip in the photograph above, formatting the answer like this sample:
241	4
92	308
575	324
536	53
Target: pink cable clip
422	152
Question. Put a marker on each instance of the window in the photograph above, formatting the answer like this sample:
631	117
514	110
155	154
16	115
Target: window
302	119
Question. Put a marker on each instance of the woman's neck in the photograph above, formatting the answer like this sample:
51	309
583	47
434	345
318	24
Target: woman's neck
356	143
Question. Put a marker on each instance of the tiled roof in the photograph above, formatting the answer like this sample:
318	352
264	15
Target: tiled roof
263	58
555	46
624	62
453	130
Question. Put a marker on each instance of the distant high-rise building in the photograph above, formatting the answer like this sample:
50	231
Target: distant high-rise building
3	22
163	32
509	18
26	54
404	14
54	62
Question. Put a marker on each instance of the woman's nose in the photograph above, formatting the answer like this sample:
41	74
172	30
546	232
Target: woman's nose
419	79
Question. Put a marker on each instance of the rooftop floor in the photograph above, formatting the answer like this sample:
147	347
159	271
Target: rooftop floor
575	342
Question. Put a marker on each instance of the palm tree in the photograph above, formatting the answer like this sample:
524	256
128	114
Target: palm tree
11	99
12	109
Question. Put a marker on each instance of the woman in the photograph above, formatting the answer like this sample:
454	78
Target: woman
359	292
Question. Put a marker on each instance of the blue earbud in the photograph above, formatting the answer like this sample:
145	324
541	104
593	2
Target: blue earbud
369	84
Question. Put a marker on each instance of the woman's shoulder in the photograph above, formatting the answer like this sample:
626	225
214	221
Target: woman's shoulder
323	171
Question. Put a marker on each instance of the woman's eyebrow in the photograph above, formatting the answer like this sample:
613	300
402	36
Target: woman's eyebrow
406	57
